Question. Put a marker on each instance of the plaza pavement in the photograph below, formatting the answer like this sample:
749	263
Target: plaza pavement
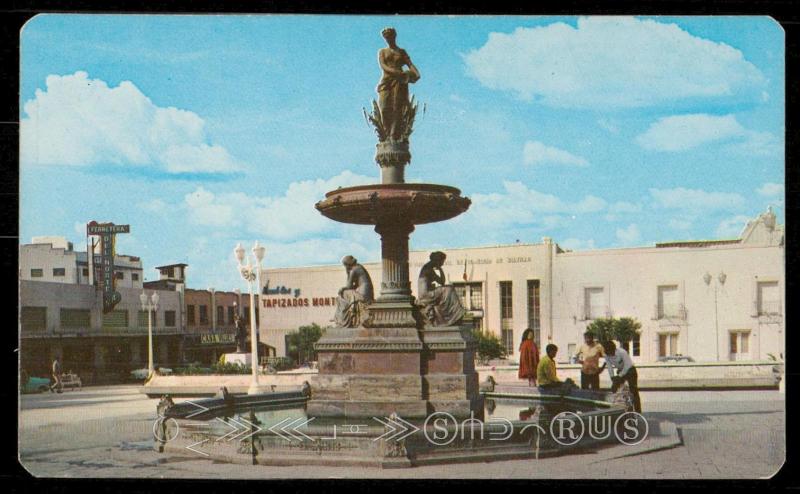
107	432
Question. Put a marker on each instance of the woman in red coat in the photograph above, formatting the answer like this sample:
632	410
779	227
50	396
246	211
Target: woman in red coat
528	358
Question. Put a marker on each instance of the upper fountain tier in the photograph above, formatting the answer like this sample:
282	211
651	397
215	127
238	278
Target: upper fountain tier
415	204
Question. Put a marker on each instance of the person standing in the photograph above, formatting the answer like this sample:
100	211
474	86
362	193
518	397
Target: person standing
589	357
618	358
528	358
57	385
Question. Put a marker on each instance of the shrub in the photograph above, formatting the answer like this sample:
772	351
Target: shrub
489	346
300	343
623	329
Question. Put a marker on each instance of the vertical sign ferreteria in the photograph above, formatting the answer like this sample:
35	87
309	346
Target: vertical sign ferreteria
103	263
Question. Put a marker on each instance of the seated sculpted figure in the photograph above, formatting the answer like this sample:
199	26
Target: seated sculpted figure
353	298
440	303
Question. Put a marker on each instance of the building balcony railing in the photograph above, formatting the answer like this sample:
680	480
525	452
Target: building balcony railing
103	331
768	308
671	312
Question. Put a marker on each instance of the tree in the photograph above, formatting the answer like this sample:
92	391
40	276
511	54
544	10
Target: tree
300	343
602	329
623	329
489	346
626	329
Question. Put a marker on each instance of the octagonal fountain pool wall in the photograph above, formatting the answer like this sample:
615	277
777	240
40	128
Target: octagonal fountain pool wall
274	429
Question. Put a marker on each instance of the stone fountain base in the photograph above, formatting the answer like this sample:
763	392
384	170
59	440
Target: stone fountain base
374	372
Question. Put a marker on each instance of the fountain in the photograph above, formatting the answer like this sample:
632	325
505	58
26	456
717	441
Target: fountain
397	384
394	361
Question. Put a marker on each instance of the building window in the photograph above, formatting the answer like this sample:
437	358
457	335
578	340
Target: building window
669	306
37	273
116	319
476	296
75	318
135	276
534	310
171	273
246	313
633	347
769	298
203	314
33	318
59	271
230	314
594	303
507	315
571	351
461	291
220	315
739	345
86	271
667	344
143	318
169	318
190	314
119	275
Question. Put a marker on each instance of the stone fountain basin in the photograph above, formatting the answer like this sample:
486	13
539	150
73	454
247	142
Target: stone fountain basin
413	203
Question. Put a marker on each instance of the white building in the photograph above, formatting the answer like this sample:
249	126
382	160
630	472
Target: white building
713	300
52	259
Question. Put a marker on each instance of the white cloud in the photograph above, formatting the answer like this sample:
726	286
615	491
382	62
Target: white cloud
732	227
696	200
287	217
535	153
684	132
519	205
613	62
577	244
629	235
770	189
78	121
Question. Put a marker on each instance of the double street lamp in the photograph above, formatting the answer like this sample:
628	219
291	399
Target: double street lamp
719	281
150	304
252	274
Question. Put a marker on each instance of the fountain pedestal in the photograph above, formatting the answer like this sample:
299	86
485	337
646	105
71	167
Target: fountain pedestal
393	363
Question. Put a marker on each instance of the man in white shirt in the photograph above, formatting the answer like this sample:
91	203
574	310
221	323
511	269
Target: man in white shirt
619	360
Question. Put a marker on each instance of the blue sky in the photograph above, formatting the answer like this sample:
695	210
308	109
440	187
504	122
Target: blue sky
204	131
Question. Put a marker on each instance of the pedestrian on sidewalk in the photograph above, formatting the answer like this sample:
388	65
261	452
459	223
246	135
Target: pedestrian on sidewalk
619	360
57	386
528	358
589	357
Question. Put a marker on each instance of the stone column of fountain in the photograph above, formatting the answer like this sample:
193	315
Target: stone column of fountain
393	361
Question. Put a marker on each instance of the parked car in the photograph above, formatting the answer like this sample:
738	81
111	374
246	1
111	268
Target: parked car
31	384
675	359
141	374
71	380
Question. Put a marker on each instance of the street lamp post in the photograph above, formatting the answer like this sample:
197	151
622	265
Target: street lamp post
718	281
251	274
149	304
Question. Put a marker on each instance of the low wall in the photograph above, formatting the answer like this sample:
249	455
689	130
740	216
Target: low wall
691	375
684	375
208	385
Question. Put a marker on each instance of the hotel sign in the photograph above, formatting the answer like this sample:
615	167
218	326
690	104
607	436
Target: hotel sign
212	338
103	263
